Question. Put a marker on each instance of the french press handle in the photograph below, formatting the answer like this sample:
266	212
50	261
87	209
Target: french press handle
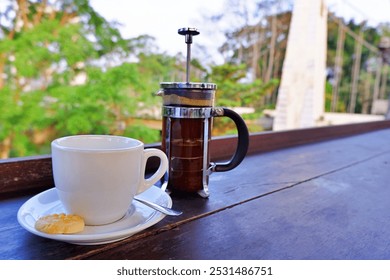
243	140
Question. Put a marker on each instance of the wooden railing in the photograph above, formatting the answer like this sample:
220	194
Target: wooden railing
32	174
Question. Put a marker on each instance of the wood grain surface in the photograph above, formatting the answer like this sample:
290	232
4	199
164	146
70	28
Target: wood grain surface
324	200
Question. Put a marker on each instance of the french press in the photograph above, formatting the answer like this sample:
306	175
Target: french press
188	112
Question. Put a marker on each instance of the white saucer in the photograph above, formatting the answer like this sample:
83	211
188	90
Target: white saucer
137	218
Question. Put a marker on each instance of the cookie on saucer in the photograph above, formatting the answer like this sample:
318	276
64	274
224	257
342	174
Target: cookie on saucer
60	224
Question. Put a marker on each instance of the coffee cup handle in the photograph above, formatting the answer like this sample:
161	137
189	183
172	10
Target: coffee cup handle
162	169
243	140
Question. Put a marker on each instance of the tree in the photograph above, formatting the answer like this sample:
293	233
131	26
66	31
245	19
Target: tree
57	75
258	42
234	89
348	44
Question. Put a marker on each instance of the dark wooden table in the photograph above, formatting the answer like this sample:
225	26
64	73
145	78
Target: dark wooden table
324	200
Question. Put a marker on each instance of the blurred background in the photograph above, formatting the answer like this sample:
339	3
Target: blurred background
93	67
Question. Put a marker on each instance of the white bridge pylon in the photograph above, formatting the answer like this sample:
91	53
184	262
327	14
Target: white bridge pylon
301	96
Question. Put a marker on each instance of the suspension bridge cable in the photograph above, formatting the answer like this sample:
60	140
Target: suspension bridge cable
354	35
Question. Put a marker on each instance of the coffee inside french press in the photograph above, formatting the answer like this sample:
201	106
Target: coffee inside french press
188	111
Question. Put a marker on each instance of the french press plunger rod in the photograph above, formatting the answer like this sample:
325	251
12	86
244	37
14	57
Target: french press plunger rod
188	33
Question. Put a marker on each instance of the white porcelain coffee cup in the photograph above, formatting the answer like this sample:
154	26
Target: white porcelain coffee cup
97	176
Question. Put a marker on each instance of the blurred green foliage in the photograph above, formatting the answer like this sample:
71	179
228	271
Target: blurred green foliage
234	93
66	70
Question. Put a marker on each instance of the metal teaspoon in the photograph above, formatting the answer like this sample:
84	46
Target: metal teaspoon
160	208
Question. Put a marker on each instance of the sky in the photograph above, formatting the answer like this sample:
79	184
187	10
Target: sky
162	18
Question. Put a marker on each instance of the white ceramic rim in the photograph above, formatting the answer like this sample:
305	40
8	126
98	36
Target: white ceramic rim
127	143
